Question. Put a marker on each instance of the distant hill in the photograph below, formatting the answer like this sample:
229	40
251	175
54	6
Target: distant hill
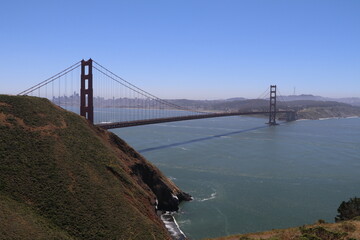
243	103
307	106
351	100
195	104
62	178
301	97
236	99
309	109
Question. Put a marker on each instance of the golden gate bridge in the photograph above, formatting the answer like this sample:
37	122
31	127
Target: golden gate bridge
109	101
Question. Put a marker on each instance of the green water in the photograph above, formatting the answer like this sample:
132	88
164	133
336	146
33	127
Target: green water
246	177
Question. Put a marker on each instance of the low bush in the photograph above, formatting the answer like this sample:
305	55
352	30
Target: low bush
348	210
320	233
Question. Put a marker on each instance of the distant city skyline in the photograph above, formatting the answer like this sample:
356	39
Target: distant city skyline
188	49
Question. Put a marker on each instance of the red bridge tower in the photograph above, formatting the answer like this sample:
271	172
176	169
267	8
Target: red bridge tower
272	112
86	91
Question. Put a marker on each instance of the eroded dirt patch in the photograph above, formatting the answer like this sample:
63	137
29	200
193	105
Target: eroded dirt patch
2	104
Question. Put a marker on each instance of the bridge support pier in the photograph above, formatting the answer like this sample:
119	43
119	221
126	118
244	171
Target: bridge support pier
272	112
86	91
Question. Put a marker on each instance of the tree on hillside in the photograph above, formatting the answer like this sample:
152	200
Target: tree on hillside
348	210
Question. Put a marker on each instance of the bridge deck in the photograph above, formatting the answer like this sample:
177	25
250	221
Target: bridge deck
175	119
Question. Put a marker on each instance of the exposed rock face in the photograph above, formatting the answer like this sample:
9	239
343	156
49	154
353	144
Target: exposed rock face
167	194
168	198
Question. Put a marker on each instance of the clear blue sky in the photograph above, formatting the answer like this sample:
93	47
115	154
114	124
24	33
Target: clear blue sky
188	48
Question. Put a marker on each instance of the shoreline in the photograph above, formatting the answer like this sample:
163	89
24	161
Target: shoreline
171	225
327	118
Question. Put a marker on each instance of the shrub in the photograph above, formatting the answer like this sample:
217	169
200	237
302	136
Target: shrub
244	238
320	221
320	233
348	210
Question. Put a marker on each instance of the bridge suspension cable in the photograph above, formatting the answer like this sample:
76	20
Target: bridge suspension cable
265	94
107	99
280	97
50	79
131	86
127	102
62	88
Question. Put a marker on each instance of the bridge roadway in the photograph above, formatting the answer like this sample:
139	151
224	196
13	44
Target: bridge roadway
175	119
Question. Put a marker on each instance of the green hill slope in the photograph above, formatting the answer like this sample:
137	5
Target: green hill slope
62	178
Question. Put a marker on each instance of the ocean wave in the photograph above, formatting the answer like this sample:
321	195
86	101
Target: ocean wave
182	148
328	118
184	222
172	226
172	178
212	196
225	137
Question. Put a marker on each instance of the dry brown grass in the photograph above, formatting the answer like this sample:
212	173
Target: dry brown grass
4	104
352	228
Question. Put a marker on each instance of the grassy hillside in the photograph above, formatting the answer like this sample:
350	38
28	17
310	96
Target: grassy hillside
347	230
61	178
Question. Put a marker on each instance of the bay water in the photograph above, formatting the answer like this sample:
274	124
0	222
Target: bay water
246	176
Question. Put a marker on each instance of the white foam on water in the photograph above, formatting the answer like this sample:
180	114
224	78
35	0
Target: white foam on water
225	137
172	226
184	222
329	118
212	196
182	148
171	178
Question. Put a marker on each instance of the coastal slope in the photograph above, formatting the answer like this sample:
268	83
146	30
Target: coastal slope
63	178
346	230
